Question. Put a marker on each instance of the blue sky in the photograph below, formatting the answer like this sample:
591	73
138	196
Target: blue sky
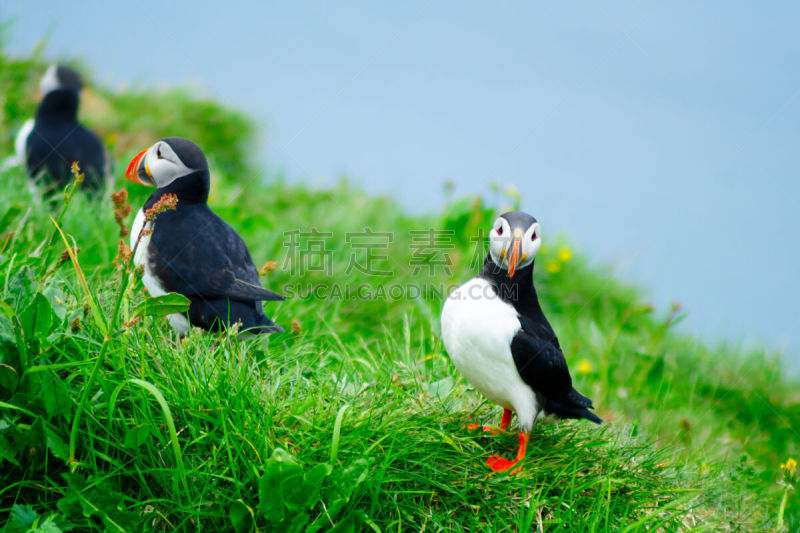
661	138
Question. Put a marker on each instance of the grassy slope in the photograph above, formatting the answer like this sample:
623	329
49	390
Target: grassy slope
358	406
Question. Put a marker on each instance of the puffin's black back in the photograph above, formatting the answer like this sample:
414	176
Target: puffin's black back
58	139
195	253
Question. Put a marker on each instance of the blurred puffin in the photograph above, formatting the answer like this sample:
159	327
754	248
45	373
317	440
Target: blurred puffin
191	250
499	339
48	144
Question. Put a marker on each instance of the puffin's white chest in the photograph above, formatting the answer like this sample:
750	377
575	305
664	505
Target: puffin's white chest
19	158
21	142
140	255
151	282
477	329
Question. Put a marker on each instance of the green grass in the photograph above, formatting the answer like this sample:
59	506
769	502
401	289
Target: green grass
353	419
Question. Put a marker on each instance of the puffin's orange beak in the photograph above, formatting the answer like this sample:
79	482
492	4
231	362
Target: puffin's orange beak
139	175
513	258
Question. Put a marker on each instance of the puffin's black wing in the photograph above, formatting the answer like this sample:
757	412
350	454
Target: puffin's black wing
197	254
542	365
231	286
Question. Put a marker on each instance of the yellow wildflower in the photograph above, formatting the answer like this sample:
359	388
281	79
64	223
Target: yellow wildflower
552	266
584	366
564	254
790	466
267	268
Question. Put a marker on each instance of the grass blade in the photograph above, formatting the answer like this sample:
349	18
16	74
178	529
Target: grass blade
97	314
337	430
162	402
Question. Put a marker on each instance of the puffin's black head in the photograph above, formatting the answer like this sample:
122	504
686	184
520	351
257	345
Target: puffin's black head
167	161
59	77
514	240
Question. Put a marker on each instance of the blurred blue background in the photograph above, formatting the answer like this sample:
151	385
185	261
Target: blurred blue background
662	139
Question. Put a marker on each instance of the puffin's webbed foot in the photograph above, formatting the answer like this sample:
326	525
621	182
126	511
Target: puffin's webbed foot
499	464
504	423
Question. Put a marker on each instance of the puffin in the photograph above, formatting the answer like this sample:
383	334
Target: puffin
48	144
499	339
190	250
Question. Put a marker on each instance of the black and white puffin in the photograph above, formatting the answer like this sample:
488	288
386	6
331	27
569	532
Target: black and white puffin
191	250
498	337
48	144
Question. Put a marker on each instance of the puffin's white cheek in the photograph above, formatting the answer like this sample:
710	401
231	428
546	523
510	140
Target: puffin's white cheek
529	250
535	245
160	171
49	82
496	250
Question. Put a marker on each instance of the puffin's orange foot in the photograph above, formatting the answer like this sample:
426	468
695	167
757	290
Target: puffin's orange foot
499	464
487	429
506	420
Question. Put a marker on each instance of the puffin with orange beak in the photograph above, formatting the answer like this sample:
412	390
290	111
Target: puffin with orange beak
190	250
499	339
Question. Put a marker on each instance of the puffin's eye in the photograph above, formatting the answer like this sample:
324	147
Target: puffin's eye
158	152
500	230
533	236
